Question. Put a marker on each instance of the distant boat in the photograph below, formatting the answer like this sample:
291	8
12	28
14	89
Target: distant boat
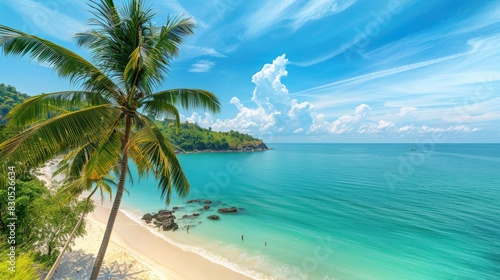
413	149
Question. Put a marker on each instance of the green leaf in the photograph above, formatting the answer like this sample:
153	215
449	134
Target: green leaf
151	152
38	107
188	98
65	62
45	139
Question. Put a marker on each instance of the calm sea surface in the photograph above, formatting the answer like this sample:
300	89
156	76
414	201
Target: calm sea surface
342	211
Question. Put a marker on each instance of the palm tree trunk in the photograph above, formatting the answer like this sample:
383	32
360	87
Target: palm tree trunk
116	203
59	258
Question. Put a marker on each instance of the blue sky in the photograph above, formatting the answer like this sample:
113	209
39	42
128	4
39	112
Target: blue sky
314	71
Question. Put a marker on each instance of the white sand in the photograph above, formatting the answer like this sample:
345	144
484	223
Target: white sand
118	263
134	252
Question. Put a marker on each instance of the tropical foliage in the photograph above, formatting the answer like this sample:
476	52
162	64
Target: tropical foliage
43	220
9	97
192	137
106	123
26	266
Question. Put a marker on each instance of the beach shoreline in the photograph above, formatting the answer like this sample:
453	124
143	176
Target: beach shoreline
144	254
134	251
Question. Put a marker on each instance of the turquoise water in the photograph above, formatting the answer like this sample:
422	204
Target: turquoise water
343	211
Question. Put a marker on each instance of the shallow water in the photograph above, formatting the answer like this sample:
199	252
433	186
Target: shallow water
343	211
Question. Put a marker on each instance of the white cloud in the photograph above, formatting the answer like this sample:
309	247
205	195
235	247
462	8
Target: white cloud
46	19
204	122
427	129
179	10
291	14
267	81
275	113
190	51
406	129
384	73
457	128
318	9
342	125
202	66
381	126
451	90
407	111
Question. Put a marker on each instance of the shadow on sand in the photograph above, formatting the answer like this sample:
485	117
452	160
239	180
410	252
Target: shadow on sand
78	265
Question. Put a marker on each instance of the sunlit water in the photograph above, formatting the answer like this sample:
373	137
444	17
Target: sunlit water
342	211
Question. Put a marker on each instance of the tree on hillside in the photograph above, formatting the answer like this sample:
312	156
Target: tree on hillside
9	97
107	119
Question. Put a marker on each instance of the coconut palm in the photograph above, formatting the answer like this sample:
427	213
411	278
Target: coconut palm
107	119
73	186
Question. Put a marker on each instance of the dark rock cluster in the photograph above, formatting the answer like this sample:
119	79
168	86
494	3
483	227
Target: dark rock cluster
227	210
213	217
163	219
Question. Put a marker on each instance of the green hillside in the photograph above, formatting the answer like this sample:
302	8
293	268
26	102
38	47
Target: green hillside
192	137
9	97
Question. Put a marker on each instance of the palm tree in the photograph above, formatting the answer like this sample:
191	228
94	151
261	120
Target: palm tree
107	118
73	186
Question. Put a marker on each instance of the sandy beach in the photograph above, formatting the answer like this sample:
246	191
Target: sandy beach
135	253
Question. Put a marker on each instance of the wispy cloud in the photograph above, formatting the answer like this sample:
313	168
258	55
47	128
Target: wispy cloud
190	51
270	13
428	41
179	10
202	66
318	9
383	73
454	90
323	58
47	20
291	14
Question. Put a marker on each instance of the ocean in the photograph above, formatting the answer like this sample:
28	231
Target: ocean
341	211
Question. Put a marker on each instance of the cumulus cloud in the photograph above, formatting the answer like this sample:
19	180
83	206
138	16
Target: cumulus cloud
406	111
428	129
406	128
381	126
275	112
196	118
343	124
202	66
457	128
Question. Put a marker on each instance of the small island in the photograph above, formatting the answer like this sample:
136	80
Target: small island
192	138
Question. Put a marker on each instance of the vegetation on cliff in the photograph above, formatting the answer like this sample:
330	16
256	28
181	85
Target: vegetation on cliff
192	137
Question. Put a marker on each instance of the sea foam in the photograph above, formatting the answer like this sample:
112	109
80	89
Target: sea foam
206	254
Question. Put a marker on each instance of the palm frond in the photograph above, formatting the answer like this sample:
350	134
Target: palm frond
75	186
187	99
106	156
162	110
152	152
41	106
73	164
163	47
65	62
172	35
45	139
